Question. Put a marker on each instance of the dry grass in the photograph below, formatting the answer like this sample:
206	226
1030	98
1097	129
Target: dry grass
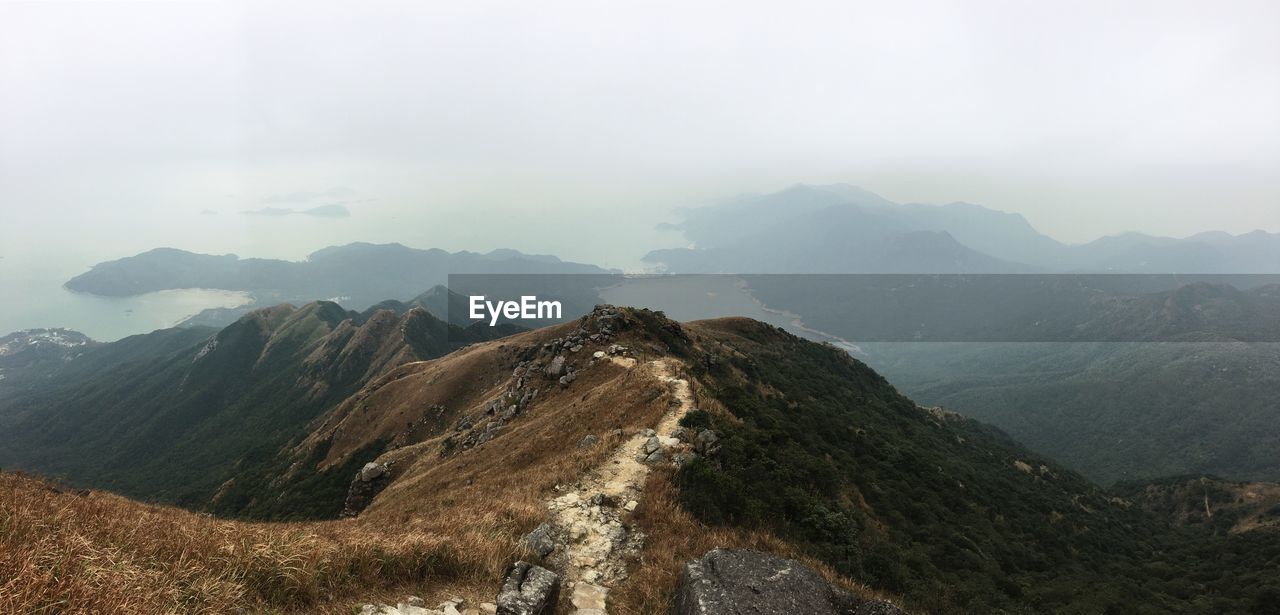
100	553
673	538
490	496
447	526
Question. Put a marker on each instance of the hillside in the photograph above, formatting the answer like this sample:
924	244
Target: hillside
1031	308
616	448
1112	411
172	415
944	510
34	353
1224	506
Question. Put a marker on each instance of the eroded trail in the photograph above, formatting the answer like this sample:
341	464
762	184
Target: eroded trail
594	542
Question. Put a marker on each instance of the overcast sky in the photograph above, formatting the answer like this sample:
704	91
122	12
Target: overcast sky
572	127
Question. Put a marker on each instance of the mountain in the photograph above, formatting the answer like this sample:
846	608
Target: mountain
1256	252
437	300
828	229
34	353
172	415
1112	411
1028	308
844	229
358	275
1102	373
610	451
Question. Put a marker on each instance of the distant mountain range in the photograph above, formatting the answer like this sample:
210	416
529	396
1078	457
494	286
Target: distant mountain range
844	229
360	273
1029	308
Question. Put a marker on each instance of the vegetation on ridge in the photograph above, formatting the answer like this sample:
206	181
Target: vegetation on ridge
946	511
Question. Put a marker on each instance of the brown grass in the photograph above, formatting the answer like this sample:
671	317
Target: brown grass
673	538
447	526
101	553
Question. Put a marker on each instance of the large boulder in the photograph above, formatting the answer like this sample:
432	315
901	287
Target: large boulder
528	590
368	482
556	369
741	582
371	471
540	540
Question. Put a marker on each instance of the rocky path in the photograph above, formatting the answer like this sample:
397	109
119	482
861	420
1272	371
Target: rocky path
593	540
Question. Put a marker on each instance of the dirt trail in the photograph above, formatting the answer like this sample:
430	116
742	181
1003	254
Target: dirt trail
589	518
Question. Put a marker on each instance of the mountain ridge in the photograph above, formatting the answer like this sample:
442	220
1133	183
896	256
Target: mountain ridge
846	214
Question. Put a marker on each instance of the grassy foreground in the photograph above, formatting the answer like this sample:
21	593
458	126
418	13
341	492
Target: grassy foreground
63	552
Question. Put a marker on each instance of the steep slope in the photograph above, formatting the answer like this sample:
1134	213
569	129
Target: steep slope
944	510
616	448
174	421
1112	411
35	353
1221	505
538	429
811	453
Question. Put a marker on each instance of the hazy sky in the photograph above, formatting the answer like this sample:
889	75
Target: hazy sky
572	127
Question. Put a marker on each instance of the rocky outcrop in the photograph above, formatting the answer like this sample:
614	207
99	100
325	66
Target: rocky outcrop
528	590
740	582
541	540
368	483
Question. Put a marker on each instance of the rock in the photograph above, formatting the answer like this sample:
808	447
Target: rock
568	378
371	471
365	485
682	458
657	456
415	601
556	369
630	506
877	607
587	596
540	540
588	441
729	582
602	499
648	433
528	590
708	442
599	354
652	444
